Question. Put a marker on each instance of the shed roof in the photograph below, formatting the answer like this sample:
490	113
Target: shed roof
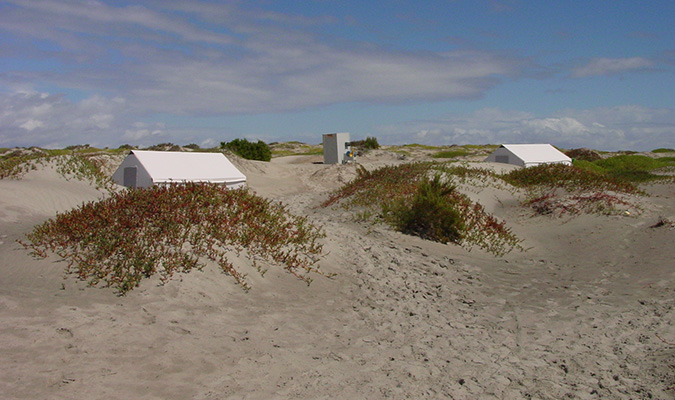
537	153
171	166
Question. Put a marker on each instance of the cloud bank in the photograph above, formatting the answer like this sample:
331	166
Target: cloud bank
613	128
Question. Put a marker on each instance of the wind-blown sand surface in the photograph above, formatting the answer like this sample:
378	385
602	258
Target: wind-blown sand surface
586	312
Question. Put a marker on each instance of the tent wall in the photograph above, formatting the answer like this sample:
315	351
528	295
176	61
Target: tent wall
505	156
143	179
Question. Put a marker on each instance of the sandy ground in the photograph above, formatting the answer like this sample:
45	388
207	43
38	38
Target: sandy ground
585	313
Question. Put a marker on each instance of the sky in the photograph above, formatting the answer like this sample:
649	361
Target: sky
592	73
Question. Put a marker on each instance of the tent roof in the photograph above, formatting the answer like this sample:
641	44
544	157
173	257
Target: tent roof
531	153
171	166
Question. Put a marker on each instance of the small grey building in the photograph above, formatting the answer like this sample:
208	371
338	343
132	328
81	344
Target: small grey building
337	148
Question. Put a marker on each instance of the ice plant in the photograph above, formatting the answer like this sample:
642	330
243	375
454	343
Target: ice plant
167	229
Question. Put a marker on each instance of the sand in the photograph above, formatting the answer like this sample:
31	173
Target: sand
586	312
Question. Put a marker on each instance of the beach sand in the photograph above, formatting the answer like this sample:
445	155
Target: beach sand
585	313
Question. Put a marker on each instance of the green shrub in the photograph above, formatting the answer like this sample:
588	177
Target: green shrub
431	214
167	229
370	143
251	151
663	150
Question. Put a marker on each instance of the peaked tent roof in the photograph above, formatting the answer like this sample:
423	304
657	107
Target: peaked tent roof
172	166
537	153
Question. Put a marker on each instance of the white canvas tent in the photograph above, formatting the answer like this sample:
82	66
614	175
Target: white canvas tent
146	168
528	155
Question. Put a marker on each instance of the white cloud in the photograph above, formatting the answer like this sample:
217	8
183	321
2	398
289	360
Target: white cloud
611	66
31	124
215	59
613	128
142	130
34	118
565	125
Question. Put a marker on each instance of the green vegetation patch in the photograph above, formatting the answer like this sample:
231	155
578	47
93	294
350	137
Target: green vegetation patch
370	143
431	213
451	153
251	151
635	168
295	149
570	178
406	198
137	233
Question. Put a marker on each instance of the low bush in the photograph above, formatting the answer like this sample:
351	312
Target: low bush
431	213
163	230
251	151
370	143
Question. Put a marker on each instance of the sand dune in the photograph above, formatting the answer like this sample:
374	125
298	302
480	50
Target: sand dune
586	312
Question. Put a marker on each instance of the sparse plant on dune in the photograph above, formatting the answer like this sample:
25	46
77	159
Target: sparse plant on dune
163	230
556	189
80	162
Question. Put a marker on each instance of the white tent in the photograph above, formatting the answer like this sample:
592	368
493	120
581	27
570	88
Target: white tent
146	168
528	155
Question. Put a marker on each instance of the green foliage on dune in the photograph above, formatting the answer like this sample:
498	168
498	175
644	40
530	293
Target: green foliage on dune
430	214
405	197
451	154
571	178
251	151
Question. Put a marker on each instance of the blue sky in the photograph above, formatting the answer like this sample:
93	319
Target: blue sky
594	74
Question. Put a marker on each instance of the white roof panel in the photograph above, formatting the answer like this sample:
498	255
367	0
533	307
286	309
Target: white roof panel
533	153
171	166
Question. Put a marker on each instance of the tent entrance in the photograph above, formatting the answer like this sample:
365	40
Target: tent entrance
130	177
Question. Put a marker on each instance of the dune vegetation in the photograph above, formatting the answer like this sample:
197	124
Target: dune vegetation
405	197
138	233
